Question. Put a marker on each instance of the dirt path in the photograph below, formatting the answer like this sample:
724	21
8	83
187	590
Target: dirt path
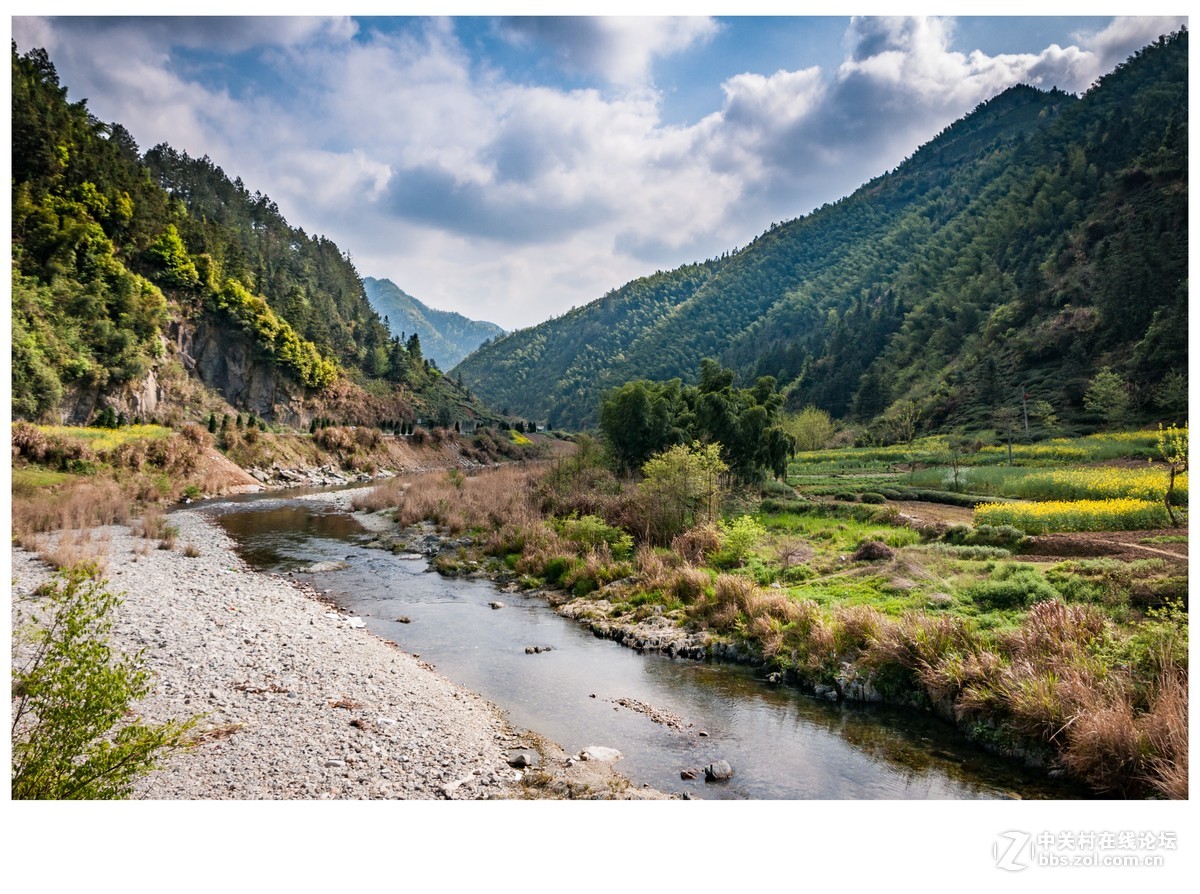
1127	546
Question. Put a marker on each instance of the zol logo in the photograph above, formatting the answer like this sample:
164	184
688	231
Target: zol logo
1011	851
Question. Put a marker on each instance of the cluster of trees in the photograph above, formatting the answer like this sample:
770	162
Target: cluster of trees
101	252
109	245
1032	243
82	213
575	352
643	418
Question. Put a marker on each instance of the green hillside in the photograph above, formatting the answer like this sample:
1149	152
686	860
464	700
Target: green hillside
1032	243
446	337
120	258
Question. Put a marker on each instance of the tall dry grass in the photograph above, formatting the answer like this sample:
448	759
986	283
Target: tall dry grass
86	503
74	549
1165	732
385	495
486	501
696	544
1119	751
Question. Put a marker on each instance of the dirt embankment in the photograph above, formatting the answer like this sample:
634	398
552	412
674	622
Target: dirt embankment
347	455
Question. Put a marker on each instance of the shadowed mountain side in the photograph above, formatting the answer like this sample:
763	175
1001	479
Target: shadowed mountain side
446	337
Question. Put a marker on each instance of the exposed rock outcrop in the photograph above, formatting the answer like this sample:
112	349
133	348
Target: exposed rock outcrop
228	362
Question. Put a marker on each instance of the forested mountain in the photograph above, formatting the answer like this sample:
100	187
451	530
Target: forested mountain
1032	243
446	337
124	264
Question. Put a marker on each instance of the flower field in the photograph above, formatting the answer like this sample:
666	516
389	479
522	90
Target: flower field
1053	516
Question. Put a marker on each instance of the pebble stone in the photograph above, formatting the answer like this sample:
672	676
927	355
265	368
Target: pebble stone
296	701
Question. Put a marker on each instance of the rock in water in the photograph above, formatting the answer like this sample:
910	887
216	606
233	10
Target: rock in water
496	603
717	771
601	753
318	567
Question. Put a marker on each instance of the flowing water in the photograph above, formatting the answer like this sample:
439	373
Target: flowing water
781	743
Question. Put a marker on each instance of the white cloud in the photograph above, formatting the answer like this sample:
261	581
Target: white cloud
512	201
621	49
1124	36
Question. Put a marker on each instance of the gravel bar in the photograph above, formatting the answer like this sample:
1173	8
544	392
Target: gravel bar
296	700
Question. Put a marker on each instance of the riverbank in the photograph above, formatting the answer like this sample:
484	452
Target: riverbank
802	620
295	699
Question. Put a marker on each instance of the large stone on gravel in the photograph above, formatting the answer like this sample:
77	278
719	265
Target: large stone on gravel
523	758
318	567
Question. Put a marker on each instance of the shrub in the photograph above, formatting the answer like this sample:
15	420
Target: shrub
794	505
688	584
971	552
591	532
1011	586
72	736
738	539
556	568
696	544
334	438
1003	536
874	498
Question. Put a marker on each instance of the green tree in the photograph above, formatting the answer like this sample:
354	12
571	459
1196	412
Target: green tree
413	347
638	420
681	486
72	732
1173	447
903	421
1108	397
811	428
1005	420
170	257
1171	395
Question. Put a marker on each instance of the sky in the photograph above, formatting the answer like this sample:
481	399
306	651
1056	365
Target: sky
511	168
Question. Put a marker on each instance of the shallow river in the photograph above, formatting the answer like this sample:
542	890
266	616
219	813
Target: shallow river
781	744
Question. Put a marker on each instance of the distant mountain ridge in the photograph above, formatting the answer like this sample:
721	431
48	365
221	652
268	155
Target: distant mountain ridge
1032	243
446	337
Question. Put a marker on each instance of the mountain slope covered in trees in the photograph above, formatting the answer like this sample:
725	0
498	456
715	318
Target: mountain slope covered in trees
1034	242
115	253
446	337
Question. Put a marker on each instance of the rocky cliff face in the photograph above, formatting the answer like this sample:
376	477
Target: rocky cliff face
228	362
138	400
206	356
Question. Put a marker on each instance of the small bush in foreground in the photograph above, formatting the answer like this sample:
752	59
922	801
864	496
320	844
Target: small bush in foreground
71	736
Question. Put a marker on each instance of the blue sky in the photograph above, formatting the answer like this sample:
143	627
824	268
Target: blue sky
511	168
